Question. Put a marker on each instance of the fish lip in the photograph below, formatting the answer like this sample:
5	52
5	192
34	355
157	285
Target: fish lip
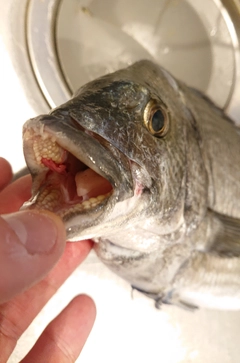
85	148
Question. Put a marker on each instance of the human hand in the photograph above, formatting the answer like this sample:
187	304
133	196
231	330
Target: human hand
31	243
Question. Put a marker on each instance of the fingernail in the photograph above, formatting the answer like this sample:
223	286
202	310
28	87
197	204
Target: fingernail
37	231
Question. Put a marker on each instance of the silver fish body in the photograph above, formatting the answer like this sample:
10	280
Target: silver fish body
168	219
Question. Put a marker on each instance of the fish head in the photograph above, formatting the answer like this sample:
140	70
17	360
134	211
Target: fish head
112	155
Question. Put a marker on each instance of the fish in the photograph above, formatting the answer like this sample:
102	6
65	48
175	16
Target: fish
149	169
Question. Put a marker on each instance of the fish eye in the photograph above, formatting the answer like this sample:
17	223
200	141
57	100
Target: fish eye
156	119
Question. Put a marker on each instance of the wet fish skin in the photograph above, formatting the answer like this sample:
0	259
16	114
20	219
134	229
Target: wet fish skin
177	237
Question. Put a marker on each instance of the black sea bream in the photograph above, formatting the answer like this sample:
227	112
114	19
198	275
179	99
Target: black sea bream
150	170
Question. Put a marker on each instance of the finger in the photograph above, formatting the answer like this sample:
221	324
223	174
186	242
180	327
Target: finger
15	194
5	173
31	242
63	339
16	316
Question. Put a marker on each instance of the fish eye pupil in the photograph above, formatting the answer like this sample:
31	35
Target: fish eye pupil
158	121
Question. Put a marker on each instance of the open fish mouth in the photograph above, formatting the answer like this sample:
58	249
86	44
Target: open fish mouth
69	184
73	171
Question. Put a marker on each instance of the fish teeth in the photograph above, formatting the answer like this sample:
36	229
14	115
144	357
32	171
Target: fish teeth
48	199
88	204
47	148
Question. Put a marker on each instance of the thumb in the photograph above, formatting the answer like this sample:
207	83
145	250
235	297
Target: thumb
31	242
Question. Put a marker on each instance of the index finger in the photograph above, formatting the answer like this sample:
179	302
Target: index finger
15	194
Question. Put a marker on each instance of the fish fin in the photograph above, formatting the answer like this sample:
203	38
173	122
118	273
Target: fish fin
208	280
161	299
227	241
167	299
151	295
211	277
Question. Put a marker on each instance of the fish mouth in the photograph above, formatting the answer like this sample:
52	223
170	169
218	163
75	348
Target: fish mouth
74	173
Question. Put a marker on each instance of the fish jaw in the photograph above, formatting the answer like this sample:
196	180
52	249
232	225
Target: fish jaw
77	178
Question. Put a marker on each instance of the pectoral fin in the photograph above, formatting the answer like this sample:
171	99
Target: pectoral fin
227	241
211	278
